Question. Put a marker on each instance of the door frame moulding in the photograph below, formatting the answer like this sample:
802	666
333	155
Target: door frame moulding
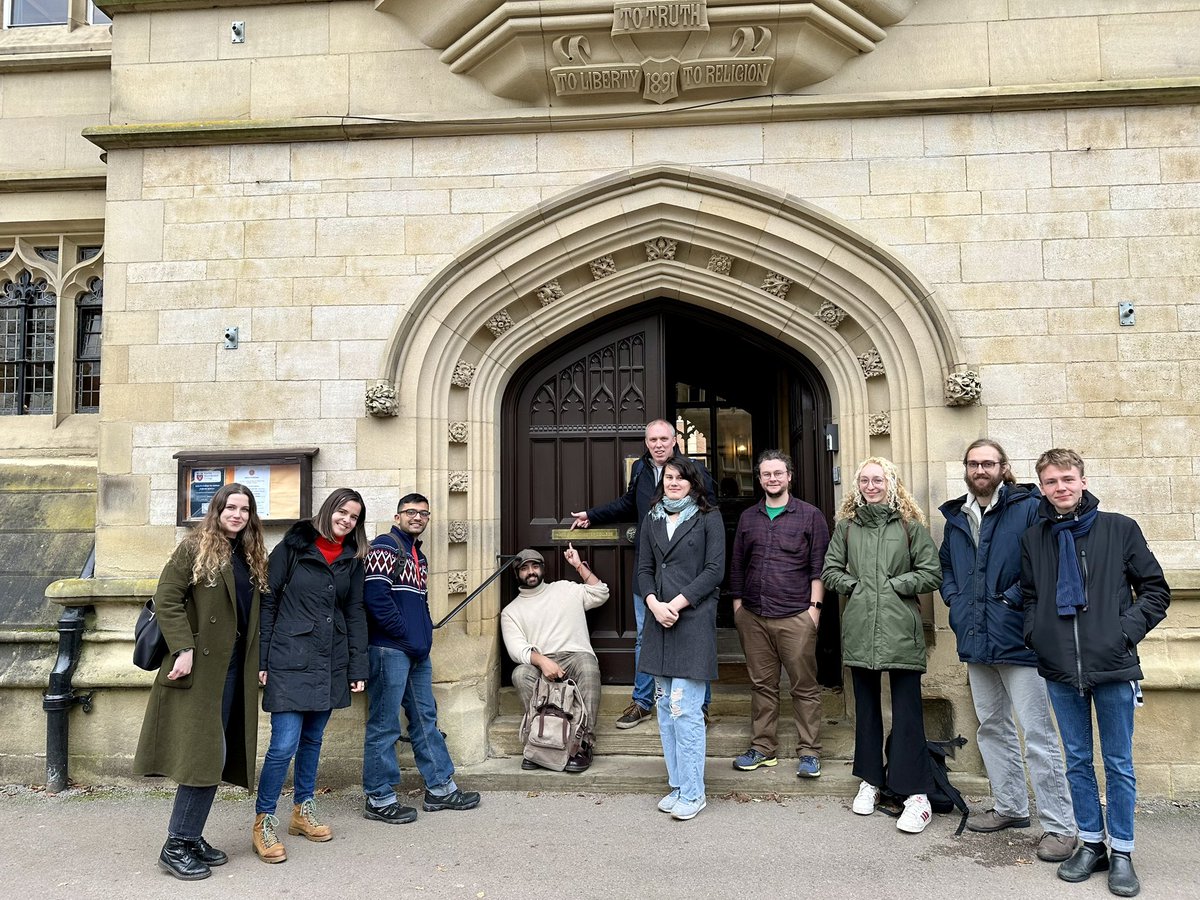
756	255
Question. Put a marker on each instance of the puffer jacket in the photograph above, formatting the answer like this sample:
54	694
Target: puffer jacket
982	585
880	564
1099	644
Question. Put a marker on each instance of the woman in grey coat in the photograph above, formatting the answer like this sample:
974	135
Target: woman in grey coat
681	561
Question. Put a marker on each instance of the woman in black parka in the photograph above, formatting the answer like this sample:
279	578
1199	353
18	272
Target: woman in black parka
313	654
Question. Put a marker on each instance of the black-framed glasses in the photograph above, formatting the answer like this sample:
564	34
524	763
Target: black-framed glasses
986	464
416	513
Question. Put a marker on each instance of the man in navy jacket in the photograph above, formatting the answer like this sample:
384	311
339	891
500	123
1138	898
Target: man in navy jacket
981	574
632	506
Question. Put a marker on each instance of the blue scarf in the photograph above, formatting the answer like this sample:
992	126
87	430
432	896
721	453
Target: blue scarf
1069	595
686	507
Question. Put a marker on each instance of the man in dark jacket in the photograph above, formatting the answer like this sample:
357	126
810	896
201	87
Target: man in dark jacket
1080	572
775	579
981	575
632	506
400	636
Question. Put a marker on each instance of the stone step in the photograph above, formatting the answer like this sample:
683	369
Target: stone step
727	700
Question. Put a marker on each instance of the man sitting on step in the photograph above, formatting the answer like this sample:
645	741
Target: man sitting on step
546	633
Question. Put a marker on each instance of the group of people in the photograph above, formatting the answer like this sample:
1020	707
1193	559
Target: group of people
327	614
1048	600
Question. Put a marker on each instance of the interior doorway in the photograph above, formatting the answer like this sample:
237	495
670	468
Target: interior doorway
574	422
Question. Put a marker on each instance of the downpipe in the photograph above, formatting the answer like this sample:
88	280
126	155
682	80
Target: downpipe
60	696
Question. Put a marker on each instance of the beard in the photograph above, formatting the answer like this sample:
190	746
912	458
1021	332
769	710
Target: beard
532	580
982	484
777	494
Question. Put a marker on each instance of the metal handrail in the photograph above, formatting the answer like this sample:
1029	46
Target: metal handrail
505	562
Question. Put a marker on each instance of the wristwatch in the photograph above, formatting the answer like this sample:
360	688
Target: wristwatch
818	604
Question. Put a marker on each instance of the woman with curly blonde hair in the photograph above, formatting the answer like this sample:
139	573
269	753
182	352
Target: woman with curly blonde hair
201	724
880	558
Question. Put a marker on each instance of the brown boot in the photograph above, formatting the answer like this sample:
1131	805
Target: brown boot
267	844
304	821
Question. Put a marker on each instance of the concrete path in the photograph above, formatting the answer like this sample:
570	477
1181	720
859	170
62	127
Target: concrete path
103	843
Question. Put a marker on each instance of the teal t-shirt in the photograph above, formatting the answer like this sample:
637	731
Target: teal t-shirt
774	511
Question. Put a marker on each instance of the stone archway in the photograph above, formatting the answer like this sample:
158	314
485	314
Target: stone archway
879	338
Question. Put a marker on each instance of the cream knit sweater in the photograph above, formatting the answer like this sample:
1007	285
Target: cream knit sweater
550	619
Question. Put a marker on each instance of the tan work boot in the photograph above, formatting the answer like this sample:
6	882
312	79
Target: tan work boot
266	841
304	821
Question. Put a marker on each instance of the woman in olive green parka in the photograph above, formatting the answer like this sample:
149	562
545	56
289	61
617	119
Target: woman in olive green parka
201	722
880	558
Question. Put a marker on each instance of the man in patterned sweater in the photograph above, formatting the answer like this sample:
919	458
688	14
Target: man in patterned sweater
400	632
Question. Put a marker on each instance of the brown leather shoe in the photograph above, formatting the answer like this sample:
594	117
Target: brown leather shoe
266	840
1056	847
305	822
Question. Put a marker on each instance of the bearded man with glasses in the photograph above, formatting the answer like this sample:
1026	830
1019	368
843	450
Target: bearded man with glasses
981	573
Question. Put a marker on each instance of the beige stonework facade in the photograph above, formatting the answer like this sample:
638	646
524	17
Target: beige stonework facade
382	207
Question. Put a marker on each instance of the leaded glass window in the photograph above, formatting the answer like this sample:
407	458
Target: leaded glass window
88	326
27	315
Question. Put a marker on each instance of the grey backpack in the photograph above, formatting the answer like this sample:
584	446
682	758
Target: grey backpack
555	723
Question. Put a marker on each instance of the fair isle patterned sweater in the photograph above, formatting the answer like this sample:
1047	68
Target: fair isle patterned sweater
396	595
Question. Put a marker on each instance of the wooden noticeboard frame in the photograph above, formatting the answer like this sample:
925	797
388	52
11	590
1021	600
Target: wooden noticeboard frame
280	479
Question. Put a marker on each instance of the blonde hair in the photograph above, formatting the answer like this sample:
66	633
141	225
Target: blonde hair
898	497
210	547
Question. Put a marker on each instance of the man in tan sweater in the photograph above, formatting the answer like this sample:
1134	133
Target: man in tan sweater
546	633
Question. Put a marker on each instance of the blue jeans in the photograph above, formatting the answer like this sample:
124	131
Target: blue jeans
681	727
1113	703
397	680
295	734
643	684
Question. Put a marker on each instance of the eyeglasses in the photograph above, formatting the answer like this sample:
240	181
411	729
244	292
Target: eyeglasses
872	482
986	464
773	476
415	513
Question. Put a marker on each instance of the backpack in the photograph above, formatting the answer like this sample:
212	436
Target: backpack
944	797
555	723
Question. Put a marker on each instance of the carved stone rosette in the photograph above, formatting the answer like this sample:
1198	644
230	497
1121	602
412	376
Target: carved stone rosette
777	285
603	267
549	292
871	363
458	482
660	248
456	582
720	263
879	423
499	323
963	388
831	314
382	401
456	532
457	432
464	374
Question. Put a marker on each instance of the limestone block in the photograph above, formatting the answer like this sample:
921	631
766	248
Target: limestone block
185	166
360	359
917	175
249	362
1028	226
1170	436
1180	164
723	144
463	713
136	550
1018	51
1174	255
888	206
308	360
134	231
115	448
281	237
358	28
181	91
187	36
1104	167
221	209
260	162
1104	320
999	202
1144	222
952	55
279	31
1010	132
165	363
1147	45
281	323
131	43
317	206
901	136
589	150
1128	380
352	322
1162	126
131	328
347	237
894	231
137	402
1000	171
816	179
341	399
351	159
1087	258
984	322
497	200
382	443
1097	438
1002	261
498	154
1050	347
431	234
123	500
204	240
1067	199
957	203
1096	129
114	367
937	263
1031	383
245	400
153	273
286	86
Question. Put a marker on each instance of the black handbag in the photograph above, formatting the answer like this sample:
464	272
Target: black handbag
149	645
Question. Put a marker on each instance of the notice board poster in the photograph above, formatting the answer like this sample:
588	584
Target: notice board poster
202	487
281	483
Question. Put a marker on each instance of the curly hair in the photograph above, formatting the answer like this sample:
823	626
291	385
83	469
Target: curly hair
898	497
210	546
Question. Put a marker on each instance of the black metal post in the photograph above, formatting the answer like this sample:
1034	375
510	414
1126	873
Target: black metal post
505	562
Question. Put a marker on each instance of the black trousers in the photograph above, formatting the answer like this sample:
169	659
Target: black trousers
908	769
193	804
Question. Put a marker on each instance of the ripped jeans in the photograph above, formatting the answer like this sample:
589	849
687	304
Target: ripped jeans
681	726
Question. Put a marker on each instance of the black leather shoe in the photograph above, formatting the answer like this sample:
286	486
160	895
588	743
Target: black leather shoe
529	765
1083	862
580	762
207	853
1122	880
458	799
178	858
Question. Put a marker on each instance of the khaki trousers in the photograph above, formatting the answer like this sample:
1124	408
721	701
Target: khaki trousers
768	644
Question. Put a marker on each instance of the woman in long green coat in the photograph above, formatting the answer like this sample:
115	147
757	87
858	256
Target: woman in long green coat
201	724
880	558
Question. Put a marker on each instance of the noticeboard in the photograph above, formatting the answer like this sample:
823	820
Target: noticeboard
281	481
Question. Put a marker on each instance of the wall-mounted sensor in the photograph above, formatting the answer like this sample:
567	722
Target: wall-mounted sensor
1125	314
231	338
237	32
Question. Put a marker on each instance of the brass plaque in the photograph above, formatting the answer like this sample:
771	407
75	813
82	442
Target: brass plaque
584	534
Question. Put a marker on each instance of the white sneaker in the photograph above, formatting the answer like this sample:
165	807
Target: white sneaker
916	815
864	803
